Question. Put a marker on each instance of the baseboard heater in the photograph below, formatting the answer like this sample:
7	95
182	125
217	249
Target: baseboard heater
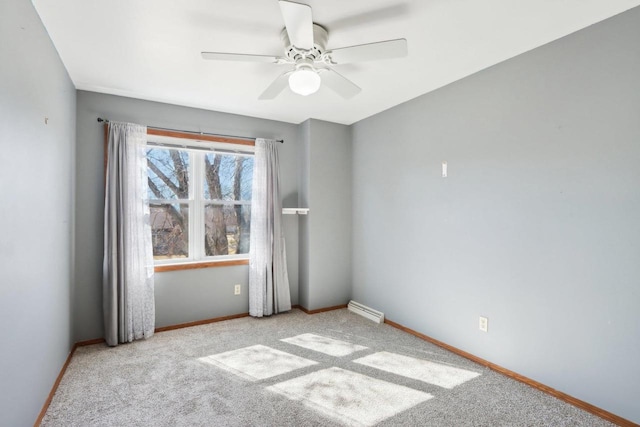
365	311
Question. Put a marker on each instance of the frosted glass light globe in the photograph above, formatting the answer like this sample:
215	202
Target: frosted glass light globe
304	81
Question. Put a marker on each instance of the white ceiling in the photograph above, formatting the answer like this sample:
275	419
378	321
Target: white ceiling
150	49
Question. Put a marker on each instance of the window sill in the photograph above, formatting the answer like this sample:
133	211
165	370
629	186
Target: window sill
208	264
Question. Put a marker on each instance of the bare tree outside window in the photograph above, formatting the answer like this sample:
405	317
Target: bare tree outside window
227	192
225	202
168	172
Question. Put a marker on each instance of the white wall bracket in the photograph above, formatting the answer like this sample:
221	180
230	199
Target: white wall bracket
295	211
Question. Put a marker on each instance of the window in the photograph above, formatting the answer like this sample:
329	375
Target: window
200	201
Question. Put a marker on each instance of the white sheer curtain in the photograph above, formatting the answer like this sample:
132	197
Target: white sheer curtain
268	278
128	301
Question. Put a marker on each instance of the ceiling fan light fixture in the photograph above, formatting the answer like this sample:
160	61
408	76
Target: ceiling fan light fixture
304	81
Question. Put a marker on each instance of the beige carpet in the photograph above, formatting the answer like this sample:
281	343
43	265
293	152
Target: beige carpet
293	369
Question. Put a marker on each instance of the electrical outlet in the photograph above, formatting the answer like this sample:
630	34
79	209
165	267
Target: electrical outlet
237	289
484	324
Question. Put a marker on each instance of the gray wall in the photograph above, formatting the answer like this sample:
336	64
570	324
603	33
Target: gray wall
304	136
181	296
36	212
325	234
537	226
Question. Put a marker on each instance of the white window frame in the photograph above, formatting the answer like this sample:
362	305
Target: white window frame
196	230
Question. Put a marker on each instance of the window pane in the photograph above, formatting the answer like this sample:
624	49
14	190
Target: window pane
170	230
227	229
168	173
227	177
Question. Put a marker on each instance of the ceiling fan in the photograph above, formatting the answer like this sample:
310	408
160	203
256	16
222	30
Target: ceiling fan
305	49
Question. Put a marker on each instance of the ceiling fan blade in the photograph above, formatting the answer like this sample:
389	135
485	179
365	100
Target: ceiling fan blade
299	23
339	84
369	52
220	56
278	85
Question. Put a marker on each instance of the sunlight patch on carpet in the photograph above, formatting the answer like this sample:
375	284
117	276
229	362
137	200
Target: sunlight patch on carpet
325	345
418	369
257	362
351	398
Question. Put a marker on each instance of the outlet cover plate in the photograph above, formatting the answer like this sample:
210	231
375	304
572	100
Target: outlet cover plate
237	289
484	324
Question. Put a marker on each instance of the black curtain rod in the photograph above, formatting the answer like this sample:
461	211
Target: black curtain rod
101	120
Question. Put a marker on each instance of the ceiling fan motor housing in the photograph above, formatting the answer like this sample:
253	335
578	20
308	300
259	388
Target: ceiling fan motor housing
295	54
